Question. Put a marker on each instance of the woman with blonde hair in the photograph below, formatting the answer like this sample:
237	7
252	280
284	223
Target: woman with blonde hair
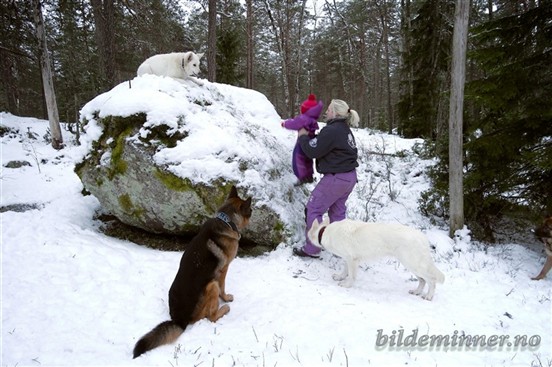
336	156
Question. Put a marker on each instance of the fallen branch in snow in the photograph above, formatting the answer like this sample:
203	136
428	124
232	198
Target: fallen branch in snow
400	154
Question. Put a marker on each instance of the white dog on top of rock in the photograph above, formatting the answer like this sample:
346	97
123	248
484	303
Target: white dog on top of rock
178	65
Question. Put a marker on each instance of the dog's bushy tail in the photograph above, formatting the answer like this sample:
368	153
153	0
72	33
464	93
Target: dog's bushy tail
165	333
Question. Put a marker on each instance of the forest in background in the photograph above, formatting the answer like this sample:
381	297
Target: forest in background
389	59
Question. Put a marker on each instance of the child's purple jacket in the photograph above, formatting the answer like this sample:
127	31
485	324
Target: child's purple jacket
307	120
303	165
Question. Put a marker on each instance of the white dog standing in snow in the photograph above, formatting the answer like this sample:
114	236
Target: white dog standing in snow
355	240
179	65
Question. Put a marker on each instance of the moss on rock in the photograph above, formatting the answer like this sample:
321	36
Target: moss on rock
172	181
161	133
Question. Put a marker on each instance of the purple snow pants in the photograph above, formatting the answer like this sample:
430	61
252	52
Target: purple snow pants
330	195
302	165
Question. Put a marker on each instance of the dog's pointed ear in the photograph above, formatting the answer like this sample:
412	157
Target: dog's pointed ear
246	207
246	204
190	56
233	192
325	221
199	56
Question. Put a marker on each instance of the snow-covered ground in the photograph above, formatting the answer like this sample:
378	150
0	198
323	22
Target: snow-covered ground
72	296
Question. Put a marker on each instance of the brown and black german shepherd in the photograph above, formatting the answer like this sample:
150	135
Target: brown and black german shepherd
544	233
200	280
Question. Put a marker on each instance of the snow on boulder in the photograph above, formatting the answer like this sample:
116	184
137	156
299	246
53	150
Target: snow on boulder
162	154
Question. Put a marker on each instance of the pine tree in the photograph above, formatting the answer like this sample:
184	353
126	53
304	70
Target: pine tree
423	107
228	57
20	81
230	47
510	159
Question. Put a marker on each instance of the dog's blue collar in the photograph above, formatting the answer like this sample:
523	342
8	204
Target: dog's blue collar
226	219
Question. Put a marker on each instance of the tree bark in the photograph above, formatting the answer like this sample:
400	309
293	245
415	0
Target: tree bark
406	89
47	81
458	76
350	47
104	18
277	30
299	60
250	45
8	71
212	42
385	35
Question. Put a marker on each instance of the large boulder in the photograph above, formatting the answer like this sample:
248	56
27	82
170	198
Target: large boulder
162	154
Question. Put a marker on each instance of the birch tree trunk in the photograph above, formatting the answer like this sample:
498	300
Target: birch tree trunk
47	81
458	76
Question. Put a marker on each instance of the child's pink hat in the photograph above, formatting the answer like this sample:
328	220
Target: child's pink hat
308	103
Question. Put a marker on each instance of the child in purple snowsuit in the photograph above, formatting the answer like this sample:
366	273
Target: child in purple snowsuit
310	112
